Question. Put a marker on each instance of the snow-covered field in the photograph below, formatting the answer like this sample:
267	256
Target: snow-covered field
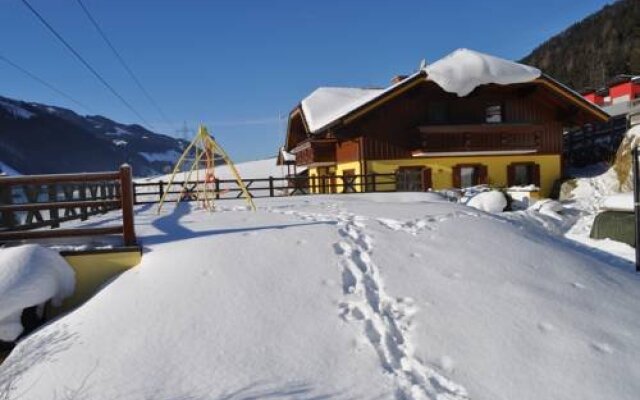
364	296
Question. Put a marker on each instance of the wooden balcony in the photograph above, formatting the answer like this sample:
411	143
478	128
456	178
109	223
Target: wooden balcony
480	138
318	152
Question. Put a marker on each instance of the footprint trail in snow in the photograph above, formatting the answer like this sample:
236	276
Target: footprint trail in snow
385	321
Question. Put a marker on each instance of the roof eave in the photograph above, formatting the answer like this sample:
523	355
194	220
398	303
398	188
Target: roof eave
389	93
574	96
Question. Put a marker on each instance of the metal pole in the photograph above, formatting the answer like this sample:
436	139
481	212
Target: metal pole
636	203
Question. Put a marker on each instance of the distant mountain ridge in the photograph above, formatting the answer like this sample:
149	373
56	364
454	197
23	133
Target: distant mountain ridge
594	50
37	139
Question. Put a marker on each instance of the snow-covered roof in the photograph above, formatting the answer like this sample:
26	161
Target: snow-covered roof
463	70
460	72
327	104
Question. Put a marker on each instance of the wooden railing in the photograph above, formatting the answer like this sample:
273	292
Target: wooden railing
594	143
151	192
35	201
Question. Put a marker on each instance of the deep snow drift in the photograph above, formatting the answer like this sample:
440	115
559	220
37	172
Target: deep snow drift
398	295
29	276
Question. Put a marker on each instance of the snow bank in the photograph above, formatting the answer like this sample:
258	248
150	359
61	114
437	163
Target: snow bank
29	276
619	202
548	207
463	70
493	201
326	104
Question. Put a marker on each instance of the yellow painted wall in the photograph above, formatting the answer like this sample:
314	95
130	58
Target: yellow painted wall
441	168
92	271
320	171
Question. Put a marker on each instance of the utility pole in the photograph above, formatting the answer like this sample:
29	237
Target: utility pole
184	132
636	202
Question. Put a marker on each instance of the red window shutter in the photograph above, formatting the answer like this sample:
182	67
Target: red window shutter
511	174
455	176
535	174
426	179
482	174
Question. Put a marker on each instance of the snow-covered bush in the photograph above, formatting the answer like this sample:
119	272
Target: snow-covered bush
493	201
30	275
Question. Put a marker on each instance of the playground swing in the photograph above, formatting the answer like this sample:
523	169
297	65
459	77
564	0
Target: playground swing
206	149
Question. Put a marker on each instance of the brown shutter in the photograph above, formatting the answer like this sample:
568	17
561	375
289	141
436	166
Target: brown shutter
535	174
511	174
455	176
482	174
426	179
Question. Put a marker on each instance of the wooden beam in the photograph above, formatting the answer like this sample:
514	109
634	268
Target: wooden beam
59	233
59	178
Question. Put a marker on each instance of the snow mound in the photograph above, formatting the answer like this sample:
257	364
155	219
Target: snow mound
548	207
463	70
326	104
618	202
29	276
493	201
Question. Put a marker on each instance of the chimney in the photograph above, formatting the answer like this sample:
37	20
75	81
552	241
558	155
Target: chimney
398	78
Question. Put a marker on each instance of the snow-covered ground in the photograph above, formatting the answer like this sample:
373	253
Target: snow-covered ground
363	296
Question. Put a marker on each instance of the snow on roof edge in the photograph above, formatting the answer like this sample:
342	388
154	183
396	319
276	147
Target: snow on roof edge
452	74
349	110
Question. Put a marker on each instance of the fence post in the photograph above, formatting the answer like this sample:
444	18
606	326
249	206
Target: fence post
636	203
126	198
53	212
160	189
373	183
82	193
6	198
271	194
217	185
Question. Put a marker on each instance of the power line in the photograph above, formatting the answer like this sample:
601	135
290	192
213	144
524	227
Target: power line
85	63
43	82
123	63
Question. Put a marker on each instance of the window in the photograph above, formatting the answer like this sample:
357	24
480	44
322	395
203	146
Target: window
493	114
523	174
466	175
437	112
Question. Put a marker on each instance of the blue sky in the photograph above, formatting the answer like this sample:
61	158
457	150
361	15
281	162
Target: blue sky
239	65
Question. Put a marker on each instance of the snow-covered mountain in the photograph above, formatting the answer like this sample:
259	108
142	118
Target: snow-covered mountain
37	138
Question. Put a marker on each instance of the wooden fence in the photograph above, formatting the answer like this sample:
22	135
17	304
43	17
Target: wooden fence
36	201
151	192
594	143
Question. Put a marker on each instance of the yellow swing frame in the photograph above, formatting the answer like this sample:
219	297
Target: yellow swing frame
205	147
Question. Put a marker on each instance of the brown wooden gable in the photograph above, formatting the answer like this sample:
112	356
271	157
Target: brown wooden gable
419	116
296	129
